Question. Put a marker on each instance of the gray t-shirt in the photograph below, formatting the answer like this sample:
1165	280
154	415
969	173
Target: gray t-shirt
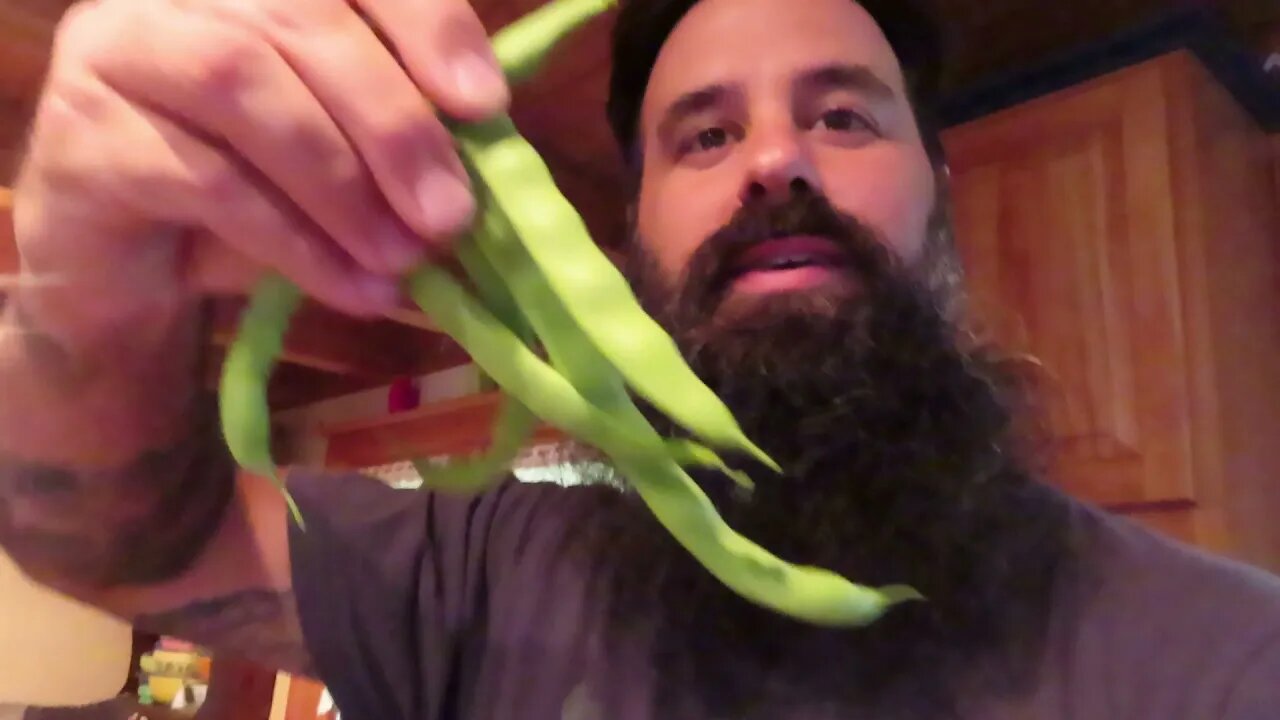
419	606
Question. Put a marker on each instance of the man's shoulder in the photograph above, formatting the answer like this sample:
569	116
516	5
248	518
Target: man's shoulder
1139	565
1171	630
365	512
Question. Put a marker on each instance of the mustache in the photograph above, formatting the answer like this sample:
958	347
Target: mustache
710	270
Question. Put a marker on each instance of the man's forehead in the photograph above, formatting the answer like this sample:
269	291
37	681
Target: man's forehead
721	42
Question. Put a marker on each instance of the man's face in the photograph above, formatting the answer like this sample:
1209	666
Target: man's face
752	102
783	237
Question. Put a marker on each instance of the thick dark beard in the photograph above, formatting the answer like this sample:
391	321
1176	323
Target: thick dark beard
902	466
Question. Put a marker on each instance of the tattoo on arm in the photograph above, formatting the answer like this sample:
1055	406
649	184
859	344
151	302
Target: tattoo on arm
140	523
82	526
98	524
260	625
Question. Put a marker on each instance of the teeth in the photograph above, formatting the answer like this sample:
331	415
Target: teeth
786	261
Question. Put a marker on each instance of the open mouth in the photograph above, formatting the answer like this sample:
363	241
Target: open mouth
784	263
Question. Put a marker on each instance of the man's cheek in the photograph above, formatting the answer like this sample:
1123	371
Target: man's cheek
891	202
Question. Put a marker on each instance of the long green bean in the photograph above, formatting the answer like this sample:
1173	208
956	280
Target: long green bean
242	394
592	289
515	366
553	232
813	594
541	278
570	351
522	46
809	593
514	423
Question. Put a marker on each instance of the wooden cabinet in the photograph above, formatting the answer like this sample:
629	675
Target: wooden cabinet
8	249
1125	232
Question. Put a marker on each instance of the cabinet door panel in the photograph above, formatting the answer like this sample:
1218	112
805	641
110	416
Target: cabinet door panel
1066	231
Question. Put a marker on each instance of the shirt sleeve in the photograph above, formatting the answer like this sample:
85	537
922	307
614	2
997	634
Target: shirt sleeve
387	582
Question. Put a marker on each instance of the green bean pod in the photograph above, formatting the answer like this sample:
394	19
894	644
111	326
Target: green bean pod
570	351
511	429
689	452
490	284
514	423
515	366
246	372
496	153
522	46
808	593
592	289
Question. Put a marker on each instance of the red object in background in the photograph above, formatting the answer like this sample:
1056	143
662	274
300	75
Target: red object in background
238	690
403	395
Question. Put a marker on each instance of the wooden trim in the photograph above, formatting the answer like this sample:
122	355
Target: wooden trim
238	690
303	699
8	246
449	428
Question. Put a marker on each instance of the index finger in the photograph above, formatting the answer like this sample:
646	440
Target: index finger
446	50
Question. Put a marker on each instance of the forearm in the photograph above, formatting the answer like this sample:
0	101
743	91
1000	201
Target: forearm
112	469
116	487
96	391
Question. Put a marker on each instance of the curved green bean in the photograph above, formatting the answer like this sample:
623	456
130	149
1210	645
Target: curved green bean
511	429
689	452
592	289
596	295
514	423
570	351
809	593
491	286
523	45
246	371
515	366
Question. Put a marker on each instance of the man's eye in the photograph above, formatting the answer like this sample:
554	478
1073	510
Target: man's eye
707	139
844	120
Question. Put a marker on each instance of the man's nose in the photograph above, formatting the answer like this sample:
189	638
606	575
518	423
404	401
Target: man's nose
779	166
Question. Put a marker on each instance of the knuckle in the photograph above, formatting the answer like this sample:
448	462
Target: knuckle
225	62
331	156
407	137
217	182
281	19
84	36
72	119
289	16
73	26
74	99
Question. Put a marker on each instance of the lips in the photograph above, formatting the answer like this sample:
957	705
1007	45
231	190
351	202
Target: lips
787	253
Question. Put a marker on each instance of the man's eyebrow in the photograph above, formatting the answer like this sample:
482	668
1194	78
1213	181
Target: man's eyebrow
858	78
692	103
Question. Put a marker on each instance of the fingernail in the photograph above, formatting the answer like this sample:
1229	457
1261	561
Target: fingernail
479	79
400	249
382	292
446	202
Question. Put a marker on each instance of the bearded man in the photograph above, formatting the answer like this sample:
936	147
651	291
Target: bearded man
790	230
